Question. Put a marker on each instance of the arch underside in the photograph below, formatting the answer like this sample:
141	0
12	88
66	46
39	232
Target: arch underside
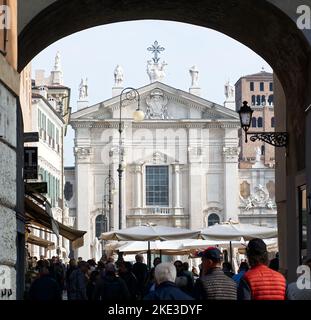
257	24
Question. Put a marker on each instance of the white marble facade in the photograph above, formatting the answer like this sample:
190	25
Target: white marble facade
195	139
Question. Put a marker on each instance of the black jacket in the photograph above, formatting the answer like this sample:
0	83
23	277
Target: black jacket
45	288
111	288
131	283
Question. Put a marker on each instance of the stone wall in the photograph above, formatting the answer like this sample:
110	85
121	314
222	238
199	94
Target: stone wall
8	190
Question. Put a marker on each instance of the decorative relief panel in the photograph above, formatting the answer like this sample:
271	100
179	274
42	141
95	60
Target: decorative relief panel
258	199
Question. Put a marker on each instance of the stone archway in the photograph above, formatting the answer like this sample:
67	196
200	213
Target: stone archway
258	24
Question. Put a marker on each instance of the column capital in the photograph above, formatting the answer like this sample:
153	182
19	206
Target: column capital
136	168
176	167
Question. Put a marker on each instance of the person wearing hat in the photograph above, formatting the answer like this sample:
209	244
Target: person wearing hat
213	283
261	282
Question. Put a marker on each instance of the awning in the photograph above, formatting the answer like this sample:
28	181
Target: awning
32	239
36	215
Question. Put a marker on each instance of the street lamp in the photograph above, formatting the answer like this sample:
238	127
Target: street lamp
103	223
127	94
276	139
110	183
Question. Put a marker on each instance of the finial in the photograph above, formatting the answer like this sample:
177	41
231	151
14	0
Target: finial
57	66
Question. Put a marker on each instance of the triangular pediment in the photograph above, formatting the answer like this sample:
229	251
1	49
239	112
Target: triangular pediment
156	158
159	101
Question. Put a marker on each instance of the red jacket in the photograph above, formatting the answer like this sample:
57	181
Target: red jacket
265	283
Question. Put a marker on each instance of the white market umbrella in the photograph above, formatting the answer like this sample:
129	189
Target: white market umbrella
231	231
150	233
203	244
234	231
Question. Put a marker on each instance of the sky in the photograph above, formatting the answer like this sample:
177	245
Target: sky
94	53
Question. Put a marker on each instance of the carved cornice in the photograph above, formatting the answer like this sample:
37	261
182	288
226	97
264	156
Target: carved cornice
173	123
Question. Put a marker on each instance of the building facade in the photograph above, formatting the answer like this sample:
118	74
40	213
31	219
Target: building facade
180	163
50	103
257	90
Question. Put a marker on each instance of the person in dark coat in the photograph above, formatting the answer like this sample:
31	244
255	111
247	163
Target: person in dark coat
140	271
111	287
166	289
125	273
45	288
184	280
78	281
91	285
227	269
275	263
71	267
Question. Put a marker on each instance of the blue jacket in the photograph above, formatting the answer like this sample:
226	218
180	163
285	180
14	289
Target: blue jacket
167	291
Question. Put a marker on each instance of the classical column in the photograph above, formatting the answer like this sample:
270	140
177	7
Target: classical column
83	187
137	170
195	178
176	186
231	183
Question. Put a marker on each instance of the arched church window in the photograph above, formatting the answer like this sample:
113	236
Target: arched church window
260	122
270	100
258	100
254	122
213	219
263	100
100	225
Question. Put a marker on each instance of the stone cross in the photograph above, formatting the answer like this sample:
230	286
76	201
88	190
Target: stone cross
156	49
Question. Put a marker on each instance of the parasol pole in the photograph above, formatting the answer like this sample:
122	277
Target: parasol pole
231	258
149	256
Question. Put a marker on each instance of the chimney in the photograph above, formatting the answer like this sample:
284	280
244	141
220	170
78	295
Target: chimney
43	91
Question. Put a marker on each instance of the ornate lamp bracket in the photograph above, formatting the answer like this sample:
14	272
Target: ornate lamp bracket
276	139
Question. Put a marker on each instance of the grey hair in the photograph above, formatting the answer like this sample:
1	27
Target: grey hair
165	272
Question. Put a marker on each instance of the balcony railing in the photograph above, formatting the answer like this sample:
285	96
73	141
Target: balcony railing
165	211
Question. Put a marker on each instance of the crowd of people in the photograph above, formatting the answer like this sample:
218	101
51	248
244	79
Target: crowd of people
123	281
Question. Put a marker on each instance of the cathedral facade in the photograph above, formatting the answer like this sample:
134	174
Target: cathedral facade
180	163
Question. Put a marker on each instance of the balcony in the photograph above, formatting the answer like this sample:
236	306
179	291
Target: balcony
162	211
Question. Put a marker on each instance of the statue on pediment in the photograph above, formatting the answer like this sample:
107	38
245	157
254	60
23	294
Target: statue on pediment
156	71
118	76
83	89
